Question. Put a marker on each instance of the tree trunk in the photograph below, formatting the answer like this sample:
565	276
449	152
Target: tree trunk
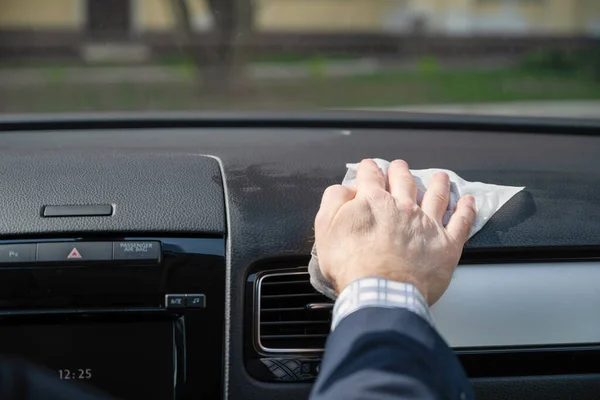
185	33
223	67
232	33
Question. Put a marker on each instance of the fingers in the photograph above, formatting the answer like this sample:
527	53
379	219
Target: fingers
369	177
463	218
333	199
435	200
402	184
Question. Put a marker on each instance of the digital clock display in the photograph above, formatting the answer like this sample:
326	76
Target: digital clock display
79	373
127	360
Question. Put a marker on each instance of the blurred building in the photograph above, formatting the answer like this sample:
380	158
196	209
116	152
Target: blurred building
139	28
447	17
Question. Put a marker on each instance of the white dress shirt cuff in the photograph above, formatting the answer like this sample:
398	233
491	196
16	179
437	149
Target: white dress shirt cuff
379	292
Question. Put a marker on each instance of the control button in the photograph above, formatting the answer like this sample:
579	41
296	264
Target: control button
74	251
136	250
92	210
305	368
17	253
175	300
195	301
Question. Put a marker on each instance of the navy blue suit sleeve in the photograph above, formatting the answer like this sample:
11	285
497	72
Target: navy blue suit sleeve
381	353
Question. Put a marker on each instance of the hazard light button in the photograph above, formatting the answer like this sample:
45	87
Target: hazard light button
74	251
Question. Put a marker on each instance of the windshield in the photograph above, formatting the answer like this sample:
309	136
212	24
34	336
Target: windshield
512	57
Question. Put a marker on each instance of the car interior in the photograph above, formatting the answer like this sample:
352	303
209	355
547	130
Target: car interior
164	256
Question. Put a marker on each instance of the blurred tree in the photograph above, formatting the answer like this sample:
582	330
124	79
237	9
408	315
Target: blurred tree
223	67
185	31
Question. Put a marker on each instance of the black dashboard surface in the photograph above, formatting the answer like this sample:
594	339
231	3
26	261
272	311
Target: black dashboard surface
274	179
149	192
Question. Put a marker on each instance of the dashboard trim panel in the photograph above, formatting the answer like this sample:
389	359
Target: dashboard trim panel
521	304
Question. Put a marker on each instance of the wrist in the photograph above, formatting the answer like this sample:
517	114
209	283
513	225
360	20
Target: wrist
379	292
344	281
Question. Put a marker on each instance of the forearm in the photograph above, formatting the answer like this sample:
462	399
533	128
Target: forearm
383	345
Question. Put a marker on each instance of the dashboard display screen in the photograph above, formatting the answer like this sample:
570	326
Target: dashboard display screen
128	360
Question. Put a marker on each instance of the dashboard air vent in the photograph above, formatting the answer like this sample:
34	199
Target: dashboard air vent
291	317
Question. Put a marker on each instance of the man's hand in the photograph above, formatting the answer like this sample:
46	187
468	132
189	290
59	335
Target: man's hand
369	231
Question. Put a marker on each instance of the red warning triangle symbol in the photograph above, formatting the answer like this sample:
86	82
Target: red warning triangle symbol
74	253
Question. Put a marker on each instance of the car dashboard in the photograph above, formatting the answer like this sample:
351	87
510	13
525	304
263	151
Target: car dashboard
165	256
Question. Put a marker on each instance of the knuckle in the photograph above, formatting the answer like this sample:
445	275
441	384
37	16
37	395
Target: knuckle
378	196
407	179
471	210
406	206
413	210
471	214
468	212
465	222
468	202
376	174
440	197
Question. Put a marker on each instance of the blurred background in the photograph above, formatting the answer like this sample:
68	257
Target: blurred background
539	57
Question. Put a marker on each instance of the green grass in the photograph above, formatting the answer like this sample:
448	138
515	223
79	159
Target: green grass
426	84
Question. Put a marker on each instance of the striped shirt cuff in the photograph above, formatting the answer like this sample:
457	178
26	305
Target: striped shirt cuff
379	292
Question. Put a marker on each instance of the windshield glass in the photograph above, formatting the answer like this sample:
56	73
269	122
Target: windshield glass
513	57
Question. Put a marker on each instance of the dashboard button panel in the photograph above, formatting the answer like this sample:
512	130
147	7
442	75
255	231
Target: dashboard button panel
175	300
185	301
136	250
164	300
195	301
17	253
74	251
